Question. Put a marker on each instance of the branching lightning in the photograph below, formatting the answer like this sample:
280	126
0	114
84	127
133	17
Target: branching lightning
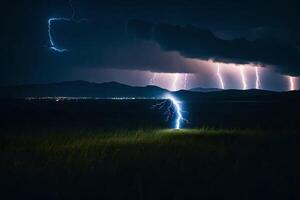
257	82
243	78
178	110
292	84
220	77
172	108
52	20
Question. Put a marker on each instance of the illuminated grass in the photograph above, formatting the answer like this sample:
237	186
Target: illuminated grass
199	162
88	149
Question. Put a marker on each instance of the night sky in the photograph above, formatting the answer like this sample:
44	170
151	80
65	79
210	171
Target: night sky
152	42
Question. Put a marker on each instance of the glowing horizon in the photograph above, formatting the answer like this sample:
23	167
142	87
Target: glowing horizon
238	77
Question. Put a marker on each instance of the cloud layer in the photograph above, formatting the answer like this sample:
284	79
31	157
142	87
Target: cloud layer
193	42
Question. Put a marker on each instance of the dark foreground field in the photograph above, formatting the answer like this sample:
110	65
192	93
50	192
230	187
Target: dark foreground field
111	149
150	164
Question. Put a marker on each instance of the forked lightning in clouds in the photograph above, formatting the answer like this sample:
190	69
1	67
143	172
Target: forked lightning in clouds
174	81
220	77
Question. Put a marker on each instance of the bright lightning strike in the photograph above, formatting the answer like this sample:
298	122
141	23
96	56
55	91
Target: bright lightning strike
220	77
53	46
292	85
243	78
178	110
172	108
257	82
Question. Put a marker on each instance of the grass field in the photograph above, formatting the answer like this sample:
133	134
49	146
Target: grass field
150	164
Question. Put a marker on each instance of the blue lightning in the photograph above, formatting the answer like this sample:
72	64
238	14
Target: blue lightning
52	45
172	108
55	19
178	110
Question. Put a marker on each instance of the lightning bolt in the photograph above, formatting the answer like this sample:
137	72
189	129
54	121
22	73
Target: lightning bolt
174	85
292	85
257	82
243	78
152	80
185	81
172	108
220	77
178	110
52	20
52	45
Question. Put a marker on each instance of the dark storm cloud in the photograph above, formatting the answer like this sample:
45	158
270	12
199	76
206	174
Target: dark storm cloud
194	42
274	34
102	41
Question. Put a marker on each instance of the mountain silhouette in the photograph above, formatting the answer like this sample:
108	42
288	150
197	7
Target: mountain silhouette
81	89
200	89
118	90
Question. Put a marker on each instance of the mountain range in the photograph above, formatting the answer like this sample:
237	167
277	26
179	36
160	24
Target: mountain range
117	90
